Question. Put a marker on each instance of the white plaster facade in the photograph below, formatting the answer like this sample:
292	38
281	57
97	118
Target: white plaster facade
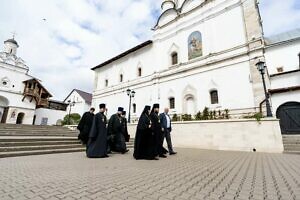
282	51
82	102
45	116
13	71
227	63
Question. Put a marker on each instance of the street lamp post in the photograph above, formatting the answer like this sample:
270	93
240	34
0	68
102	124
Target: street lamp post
131	94
262	67
70	104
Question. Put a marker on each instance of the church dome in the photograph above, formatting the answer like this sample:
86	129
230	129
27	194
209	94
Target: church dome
168	4
12	41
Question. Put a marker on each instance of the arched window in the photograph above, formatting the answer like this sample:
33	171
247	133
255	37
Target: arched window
195	45
134	108
106	82
174	57
172	103
139	72
121	78
214	98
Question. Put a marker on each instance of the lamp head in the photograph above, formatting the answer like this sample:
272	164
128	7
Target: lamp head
128	91
132	93
260	66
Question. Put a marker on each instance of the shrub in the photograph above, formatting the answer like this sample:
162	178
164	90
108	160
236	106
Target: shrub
74	119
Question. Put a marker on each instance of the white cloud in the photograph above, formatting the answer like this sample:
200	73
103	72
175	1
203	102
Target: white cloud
280	16
78	35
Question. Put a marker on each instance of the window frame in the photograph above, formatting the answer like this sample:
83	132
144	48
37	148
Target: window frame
214	97
172	104
139	72
174	55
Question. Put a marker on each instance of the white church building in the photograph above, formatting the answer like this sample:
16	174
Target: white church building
23	99
203	53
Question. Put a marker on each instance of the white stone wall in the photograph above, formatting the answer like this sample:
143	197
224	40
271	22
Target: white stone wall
284	55
13	114
52	116
231	135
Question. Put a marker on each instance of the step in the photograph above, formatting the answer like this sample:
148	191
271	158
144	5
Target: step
17	134
291	152
41	147
40	152
291	148
36	138
37	143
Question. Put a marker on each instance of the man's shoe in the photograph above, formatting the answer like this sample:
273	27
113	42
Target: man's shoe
162	156
173	153
125	151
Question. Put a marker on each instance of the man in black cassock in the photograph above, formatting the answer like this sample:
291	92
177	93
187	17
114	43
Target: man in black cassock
85	125
124	125
97	144
157	131
144	146
115	132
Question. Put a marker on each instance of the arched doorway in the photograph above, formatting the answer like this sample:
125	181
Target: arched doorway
20	118
289	115
3	109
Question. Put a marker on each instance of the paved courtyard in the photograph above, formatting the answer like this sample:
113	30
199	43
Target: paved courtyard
192	174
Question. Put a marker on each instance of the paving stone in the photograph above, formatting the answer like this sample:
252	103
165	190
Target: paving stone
191	174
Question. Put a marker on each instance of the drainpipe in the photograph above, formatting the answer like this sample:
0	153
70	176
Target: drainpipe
299	59
260	106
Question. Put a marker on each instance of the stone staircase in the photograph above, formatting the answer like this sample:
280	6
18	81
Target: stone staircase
23	140
291	143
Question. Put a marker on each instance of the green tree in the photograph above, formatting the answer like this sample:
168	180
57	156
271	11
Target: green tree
73	119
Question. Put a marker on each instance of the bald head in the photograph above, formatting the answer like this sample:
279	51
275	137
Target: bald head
166	110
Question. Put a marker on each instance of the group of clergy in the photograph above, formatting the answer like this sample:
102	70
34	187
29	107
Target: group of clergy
103	137
151	131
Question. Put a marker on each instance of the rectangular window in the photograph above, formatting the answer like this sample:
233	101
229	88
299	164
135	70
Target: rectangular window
140	72
134	108
172	103
174	58
121	78
214	97
106	82
279	69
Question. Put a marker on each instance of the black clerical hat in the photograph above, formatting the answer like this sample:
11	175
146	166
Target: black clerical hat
147	108
156	105
102	105
120	109
124	113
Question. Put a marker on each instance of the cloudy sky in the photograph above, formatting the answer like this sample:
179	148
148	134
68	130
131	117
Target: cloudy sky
79	34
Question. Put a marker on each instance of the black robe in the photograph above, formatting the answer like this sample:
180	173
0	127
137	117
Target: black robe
84	126
125	129
115	132
97	144
158	134
144	140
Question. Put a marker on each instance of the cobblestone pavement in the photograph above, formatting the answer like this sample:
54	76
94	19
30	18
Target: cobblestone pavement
192	174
